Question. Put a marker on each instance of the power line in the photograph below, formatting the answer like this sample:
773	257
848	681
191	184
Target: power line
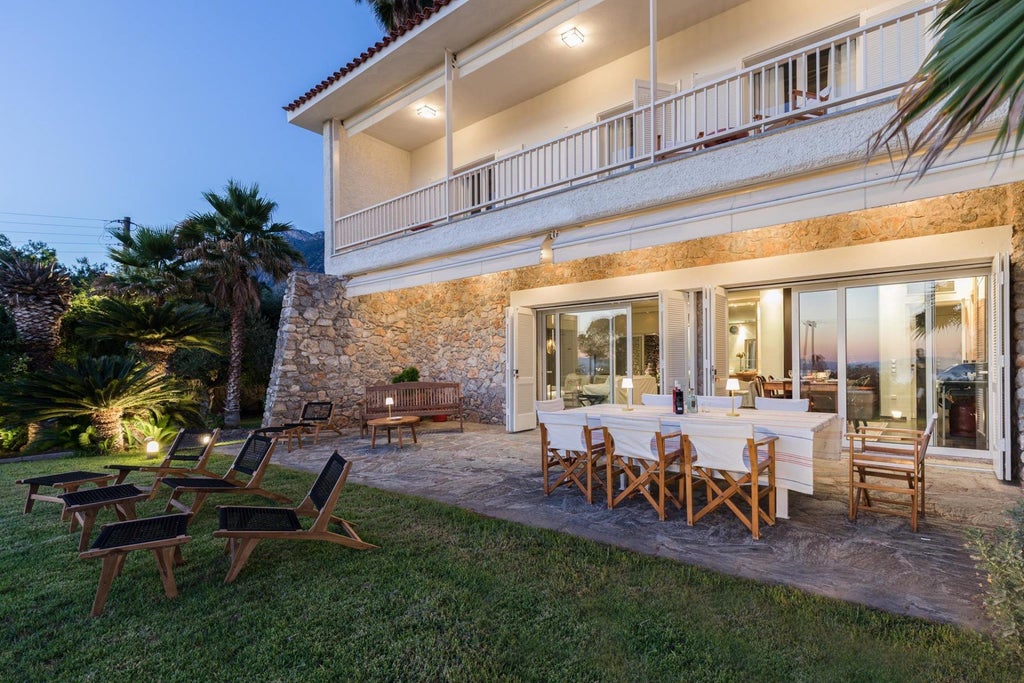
44	215
55	225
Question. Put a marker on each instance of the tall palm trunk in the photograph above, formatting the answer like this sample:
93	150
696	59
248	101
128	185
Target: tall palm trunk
108	426
233	398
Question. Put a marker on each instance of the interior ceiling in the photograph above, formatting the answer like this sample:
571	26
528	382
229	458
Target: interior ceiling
612	29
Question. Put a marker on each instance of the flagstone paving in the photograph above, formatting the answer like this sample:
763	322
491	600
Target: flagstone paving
876	561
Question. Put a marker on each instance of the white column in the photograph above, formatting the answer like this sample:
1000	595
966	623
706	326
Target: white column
654	75
330	165
449	76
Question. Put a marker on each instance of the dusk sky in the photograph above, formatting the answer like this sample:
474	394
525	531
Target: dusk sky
117	108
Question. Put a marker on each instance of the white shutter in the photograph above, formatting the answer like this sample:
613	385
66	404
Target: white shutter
895	52
716	340
674	334
641	126
999	386
521	369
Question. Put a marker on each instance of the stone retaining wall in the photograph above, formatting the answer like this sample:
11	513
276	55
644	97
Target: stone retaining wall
329	347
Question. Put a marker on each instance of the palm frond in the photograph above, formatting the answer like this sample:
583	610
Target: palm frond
975	68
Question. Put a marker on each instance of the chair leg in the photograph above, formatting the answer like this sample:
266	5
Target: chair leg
107	574
165	565
243	549
33	489
88	520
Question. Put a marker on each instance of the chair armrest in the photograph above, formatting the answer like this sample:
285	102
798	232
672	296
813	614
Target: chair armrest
766	440
672	435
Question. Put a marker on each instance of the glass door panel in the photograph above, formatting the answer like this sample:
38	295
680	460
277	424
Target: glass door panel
819	350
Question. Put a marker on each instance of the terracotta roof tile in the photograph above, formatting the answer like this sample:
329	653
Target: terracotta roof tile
391	37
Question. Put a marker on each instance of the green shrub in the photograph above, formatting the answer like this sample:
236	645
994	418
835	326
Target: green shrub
13	438
410	374
159	428
1000	555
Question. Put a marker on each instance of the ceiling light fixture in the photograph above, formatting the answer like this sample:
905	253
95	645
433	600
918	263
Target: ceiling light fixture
426	111
572	37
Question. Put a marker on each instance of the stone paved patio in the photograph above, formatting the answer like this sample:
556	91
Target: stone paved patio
876	561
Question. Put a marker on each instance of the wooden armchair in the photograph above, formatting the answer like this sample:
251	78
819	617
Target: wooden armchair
638	449
887	460
245	527
572	449
251	462
731	463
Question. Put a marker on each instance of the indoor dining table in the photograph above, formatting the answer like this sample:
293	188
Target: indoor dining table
802	436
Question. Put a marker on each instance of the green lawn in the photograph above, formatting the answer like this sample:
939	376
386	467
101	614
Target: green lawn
450	595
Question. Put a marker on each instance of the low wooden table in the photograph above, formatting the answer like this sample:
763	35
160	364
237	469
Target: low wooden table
390	423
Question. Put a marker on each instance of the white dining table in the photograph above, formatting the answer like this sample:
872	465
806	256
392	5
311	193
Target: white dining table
801	438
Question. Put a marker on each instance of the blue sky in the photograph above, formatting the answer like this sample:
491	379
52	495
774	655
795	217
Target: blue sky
125	108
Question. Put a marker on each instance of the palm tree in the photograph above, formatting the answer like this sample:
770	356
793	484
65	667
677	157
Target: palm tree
36	294
150	264
156	330
107	390
394	13
976	67
226	249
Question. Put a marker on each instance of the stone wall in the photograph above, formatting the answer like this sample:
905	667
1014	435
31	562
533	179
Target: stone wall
330	347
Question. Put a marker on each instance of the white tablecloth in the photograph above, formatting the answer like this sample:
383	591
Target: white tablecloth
802	437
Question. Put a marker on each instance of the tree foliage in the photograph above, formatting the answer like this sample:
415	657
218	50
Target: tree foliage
391	14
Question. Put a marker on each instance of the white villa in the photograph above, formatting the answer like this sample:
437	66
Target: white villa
511	203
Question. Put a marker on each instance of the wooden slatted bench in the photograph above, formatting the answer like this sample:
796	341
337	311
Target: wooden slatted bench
423	399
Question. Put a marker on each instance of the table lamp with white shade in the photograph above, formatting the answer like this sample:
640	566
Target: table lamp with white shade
389	401
732	385
627	384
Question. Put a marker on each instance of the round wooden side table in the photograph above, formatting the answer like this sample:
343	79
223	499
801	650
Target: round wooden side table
389	423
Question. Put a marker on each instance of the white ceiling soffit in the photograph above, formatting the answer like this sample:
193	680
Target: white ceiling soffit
419	51
492	68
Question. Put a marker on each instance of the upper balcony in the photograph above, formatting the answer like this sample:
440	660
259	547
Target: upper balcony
521	115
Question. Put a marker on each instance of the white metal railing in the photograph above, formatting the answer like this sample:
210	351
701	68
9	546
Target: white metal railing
846	70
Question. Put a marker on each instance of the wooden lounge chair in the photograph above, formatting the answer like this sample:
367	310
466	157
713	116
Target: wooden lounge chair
251	461
65	482
245	527
316	417
187	455
889	461
84	506
163	535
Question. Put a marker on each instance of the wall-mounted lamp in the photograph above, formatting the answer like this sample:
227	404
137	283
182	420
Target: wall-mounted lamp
547	251
573	37
732	385
426	111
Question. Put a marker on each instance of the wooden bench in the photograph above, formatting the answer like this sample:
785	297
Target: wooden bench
423	399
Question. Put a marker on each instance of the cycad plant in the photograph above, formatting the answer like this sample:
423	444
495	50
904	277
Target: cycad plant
106	390
155	329
36	294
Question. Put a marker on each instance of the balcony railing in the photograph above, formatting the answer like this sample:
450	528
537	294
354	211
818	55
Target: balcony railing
835	74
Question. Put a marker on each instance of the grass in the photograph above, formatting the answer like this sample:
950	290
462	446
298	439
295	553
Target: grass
450	595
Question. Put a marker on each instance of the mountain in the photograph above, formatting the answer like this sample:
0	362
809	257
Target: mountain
311	244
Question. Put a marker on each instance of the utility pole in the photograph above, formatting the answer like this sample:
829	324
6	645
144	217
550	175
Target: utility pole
126	227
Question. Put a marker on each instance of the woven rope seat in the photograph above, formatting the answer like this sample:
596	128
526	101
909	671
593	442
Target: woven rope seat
104	494
141	531
198	482
63	478
241	518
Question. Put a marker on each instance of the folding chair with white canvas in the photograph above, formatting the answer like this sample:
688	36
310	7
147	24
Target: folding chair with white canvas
732	463
886	460
798	405
572	449
639	449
